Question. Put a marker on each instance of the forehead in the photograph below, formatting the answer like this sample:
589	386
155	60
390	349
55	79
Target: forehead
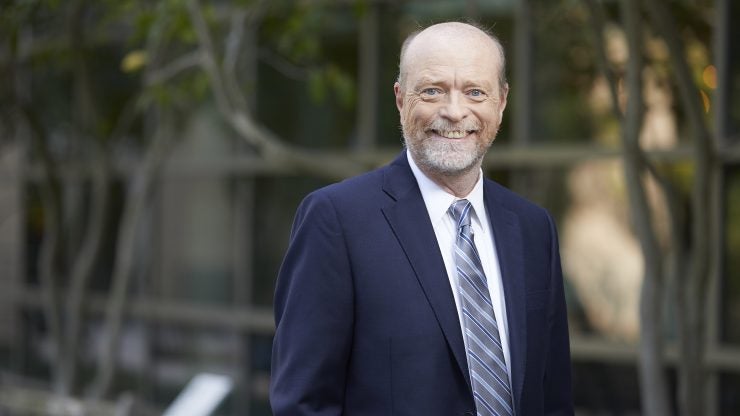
469	54
469	65
434	73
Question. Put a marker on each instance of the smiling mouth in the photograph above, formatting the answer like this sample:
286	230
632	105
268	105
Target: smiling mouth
452	134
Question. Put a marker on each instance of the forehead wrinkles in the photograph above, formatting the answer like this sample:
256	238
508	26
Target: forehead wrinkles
440	48
450	66
451	76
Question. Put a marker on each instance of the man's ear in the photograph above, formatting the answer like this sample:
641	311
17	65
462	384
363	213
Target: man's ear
504	97
399	96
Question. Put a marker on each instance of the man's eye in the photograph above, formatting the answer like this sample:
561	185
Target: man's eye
430	91
476	93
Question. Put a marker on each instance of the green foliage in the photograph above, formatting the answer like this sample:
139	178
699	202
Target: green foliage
297	37
182	93
143	21
180	28
360	8
167	20
125	40
332	79
317	85
26	14
295	30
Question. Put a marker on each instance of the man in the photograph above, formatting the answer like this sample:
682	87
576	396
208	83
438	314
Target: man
421	288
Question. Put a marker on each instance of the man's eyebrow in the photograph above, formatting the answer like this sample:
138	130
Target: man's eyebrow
426	81
478	83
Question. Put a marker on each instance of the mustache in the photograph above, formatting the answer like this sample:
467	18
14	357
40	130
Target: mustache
444	125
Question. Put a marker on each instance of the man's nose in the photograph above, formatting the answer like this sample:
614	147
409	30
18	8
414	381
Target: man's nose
454	109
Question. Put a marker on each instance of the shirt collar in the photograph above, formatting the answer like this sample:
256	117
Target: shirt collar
438	201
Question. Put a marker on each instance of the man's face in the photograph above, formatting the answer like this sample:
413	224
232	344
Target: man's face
451	104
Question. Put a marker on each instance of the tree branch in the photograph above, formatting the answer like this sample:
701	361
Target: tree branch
282	65
694	290
654	389
598	23
82	272
85	259
209	61
137	198
174	68
50	191
272	148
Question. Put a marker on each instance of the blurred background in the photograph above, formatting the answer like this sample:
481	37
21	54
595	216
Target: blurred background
152	155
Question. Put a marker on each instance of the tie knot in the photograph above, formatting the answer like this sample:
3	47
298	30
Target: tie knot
460	211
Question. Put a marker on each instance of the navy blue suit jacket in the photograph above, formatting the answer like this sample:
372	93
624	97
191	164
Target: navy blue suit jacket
366	320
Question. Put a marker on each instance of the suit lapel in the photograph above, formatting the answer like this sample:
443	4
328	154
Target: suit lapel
416	236
507	234
407	217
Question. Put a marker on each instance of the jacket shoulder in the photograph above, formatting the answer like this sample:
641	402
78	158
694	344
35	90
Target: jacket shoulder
357	191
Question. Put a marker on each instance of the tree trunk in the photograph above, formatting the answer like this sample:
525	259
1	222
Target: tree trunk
695	287
50	251
86	117
134	210
653	385
268	144
80	276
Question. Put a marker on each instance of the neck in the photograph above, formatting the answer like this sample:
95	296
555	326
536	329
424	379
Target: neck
459	184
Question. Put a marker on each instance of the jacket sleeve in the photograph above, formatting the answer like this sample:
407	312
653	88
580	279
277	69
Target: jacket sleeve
557	380
313	315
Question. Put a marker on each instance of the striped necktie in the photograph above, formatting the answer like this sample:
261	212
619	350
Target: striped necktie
486	360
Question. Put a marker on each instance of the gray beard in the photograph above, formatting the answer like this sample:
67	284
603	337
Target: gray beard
446	158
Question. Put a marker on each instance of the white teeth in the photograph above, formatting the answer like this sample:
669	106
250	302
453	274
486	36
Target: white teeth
454	134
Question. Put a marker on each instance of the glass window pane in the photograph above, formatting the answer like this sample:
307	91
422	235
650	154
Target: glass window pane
729	401
731	254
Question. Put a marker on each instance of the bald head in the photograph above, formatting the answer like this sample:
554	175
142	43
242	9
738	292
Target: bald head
452	36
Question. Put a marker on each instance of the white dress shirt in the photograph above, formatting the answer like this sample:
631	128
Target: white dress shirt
438	201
